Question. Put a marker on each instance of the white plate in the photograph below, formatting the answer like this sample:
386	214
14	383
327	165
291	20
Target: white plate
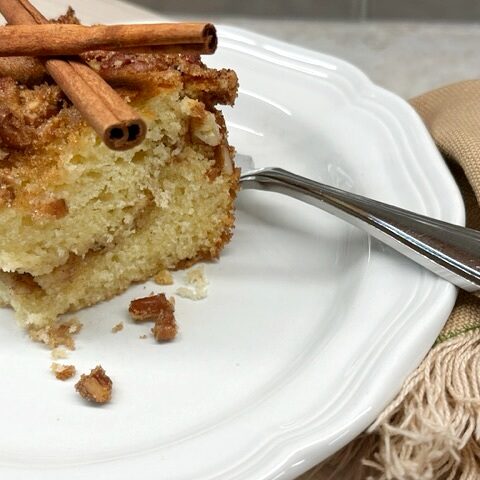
309	328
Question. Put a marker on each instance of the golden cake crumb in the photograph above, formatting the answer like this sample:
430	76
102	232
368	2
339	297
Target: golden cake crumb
191	294
159	309
58	352
57	334
164	278
195	277
117	328
63	372
96	386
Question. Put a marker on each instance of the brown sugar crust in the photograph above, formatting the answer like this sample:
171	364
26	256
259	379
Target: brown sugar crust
96	386
28	71
25	113
140	71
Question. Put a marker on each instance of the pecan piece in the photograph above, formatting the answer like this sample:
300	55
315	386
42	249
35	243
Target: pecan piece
96	386
158	309
165	327
148	308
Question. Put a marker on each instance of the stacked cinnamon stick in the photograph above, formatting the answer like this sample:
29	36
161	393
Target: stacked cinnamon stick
119	126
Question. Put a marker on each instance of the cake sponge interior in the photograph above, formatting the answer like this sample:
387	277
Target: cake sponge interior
194	224
77	195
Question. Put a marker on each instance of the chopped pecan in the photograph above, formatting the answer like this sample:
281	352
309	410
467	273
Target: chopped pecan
164	331
158	309
96	386
148	308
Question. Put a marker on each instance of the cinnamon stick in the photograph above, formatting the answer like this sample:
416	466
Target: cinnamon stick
119	126
60	39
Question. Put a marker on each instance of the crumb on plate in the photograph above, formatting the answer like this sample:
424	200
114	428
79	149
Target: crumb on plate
190	293
96	386
58	352
159	309
117	328
57	334
62	372
197	279
165	328
148	308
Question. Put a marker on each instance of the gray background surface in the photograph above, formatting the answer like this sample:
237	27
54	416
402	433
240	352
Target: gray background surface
449	10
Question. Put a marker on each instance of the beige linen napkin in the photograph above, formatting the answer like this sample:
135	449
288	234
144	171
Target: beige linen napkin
432	429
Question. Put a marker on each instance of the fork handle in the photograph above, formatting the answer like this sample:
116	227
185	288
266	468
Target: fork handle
450	251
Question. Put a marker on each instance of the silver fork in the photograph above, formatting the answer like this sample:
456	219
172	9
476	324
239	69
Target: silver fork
449	251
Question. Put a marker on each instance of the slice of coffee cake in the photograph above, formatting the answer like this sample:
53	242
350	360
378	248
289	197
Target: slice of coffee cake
80	222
